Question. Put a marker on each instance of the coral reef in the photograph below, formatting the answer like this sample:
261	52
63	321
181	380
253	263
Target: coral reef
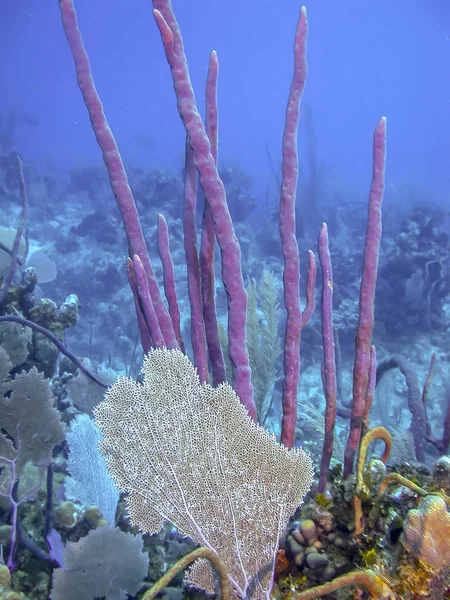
183	460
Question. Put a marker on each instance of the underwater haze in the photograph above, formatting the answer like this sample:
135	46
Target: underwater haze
224	336
365	59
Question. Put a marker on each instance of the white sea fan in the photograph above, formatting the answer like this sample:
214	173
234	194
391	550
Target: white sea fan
89	482
189	453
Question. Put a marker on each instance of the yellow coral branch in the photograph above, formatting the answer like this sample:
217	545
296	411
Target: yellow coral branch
202	552
376	587
359	520
377	433
400	480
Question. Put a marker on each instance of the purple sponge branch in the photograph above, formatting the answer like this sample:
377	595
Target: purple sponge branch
214	191
193	266
310	289
370	390
367	297
143	326
208	237
169	278
164	319
212	112
426	389
146	303
111	157
11	495
57	342
445	443
329	357
291	273
418	425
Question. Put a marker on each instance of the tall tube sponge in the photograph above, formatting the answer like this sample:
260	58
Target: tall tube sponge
119	181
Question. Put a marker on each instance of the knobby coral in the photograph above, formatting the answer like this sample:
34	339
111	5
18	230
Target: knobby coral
426	532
